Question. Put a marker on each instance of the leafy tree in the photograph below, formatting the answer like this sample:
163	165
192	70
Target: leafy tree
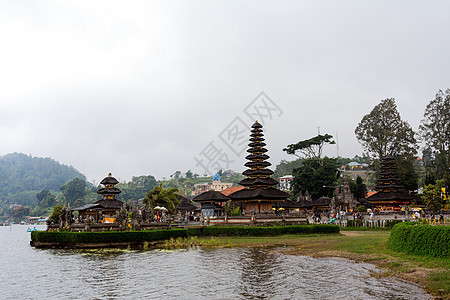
432	195
54	217
435	131
382	132
311	148
160	196
46	199
137	188
73	190
189	174
316	176
358	188
286	167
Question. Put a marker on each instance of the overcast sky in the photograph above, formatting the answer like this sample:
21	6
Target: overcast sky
145	87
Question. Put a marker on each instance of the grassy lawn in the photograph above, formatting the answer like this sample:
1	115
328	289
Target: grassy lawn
362	246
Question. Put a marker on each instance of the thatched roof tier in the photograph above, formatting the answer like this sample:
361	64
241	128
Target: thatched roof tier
256	139
399	196
257	172
111	191
186	206
256	125
257	135
257	150
87	206
257	144
211	196
257	157
110	203
109	180
259	194
258	181
256	164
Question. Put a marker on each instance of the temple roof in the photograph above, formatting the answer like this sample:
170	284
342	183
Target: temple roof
257	156
109	180
259	193
111	191
256	125
386	196
101	204
186	205
256	172
211	196
110	203
254	164
258	181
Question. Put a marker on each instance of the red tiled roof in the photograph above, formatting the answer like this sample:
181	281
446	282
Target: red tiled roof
231	190
371	193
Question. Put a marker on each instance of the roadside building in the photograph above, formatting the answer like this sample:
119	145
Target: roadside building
285	182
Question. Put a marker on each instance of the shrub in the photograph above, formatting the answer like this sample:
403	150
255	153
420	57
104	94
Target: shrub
166	234
418	239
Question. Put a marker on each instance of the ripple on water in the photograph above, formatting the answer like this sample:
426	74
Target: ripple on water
231	273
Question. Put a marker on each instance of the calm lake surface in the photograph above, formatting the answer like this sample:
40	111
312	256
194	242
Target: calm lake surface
232	273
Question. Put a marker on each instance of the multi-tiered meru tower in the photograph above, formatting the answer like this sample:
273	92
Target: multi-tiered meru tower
391	194
259	195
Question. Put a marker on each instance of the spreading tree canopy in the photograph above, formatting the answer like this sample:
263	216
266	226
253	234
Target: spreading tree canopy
382	132
311	148
315	174
435	132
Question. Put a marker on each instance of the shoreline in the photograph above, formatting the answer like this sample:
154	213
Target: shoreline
365	247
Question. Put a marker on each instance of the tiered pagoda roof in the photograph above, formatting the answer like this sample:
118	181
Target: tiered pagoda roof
109	192
259	185
389	187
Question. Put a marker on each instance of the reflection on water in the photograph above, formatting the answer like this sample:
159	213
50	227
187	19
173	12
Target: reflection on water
237	273
258	279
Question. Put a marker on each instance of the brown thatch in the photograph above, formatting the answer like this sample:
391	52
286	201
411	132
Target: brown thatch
186	206
211	196
110	203
258	181
259	194
110	191
257	156
256	172
109	180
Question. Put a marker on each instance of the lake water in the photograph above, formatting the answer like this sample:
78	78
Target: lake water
230	273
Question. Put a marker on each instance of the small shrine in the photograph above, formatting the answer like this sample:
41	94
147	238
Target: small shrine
259	196
391	195
106	209
212	203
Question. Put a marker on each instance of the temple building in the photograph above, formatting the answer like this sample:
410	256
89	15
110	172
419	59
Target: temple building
391	195
103	210
212	203
259	196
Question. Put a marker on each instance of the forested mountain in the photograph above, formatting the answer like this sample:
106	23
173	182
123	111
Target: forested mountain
20	174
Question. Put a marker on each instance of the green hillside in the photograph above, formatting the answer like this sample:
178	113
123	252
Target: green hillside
22	176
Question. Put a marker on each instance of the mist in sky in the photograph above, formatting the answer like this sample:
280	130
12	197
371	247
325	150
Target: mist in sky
148	87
